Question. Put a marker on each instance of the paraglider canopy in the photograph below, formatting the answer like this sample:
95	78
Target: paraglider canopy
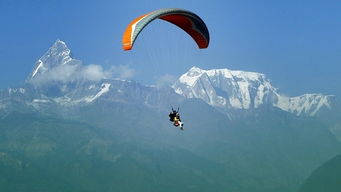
186	20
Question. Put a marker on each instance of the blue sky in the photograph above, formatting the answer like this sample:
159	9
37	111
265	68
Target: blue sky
296	43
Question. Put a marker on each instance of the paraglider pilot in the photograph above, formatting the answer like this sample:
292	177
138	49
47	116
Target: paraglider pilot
175	118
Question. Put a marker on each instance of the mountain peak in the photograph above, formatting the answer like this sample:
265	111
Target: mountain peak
233	89
60	45
194	71
57	54
190	78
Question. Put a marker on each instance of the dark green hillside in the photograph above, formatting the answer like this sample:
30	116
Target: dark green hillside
129	147
46	154
268	150
265	150
326	178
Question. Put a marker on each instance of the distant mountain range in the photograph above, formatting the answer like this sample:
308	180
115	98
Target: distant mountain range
71	127
62	80
226	89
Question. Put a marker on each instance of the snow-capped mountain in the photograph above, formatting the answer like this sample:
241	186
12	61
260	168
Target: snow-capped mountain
229	89
59	54
60	81
308	104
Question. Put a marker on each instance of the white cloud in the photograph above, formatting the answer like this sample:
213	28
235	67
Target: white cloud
94	73
76	71
68	73
122	72
165	80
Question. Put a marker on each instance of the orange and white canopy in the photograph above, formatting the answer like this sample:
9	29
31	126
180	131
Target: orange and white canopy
186	20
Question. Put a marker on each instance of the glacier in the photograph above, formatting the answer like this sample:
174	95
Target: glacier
234	89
